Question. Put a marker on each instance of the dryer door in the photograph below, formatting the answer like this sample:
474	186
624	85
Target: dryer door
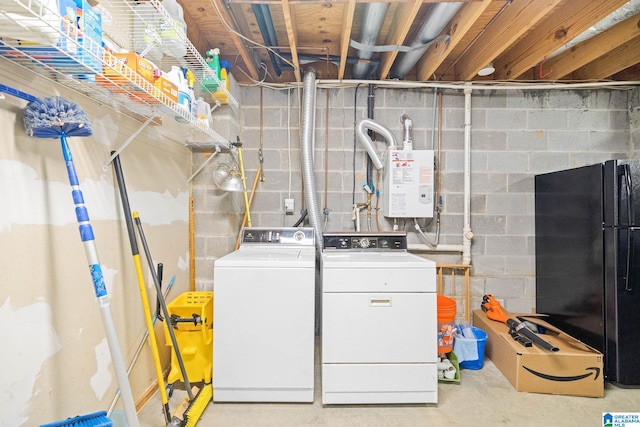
379	328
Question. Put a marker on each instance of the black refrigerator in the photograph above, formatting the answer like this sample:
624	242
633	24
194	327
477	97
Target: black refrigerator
587	240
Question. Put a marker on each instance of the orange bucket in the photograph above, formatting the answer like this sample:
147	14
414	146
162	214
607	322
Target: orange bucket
446	323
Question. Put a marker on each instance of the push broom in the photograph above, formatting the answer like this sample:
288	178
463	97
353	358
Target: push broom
58	118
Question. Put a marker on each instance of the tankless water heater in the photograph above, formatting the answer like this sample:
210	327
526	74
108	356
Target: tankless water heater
408	184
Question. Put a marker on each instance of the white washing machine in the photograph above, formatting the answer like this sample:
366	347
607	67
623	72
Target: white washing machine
379	321
263	330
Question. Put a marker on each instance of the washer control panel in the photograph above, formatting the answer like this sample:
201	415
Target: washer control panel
278	236
365	241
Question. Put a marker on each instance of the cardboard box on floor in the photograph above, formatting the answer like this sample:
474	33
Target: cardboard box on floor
576	369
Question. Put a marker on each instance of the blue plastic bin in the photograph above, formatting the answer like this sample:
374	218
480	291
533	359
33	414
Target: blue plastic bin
481	340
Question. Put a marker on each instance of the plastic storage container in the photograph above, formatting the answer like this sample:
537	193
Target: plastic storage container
82	41
146	31
481	341
173	31
194	335
446	323
177	77
204	112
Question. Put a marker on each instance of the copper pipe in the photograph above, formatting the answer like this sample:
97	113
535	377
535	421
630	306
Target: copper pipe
244	219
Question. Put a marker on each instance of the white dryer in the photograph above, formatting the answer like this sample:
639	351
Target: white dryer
263	345
379	321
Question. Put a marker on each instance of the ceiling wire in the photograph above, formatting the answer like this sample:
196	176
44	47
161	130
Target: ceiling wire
232	30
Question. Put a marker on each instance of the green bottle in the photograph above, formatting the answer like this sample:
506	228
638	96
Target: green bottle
210	83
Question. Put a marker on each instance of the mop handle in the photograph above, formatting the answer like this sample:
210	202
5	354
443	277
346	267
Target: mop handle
87	237
163	305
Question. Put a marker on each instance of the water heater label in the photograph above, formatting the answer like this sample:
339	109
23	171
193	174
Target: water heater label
408	186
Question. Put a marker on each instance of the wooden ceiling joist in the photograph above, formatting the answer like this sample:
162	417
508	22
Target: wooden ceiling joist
456	29
589	50
345	36
614	61
290	23
567	21
516	19
405	15
244	53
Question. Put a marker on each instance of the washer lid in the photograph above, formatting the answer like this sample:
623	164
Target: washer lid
269	257
373	260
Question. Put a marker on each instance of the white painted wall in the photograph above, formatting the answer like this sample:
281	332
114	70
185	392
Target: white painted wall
55	359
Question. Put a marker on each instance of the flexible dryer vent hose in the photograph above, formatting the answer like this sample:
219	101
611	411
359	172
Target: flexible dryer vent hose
308	122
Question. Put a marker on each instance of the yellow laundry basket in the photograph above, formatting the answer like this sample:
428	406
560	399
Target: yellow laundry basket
192	319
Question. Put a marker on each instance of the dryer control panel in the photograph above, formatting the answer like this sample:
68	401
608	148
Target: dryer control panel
365	241
278	236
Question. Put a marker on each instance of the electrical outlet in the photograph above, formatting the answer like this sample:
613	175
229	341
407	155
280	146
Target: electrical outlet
288	206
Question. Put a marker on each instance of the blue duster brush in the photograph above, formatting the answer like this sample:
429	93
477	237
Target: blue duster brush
58	118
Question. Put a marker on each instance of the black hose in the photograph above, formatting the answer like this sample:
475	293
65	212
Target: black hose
303	216
370	105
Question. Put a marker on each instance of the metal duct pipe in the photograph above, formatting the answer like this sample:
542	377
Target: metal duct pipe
268	31
366	141
438	18
407	125
372	20
308	124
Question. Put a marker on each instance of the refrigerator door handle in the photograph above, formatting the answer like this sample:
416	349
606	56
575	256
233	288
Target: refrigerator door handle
627	273
629	190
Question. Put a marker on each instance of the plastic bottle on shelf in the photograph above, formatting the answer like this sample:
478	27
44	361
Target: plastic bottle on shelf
209	83
204	111
146	32
173	43
177	77
191	81
220	94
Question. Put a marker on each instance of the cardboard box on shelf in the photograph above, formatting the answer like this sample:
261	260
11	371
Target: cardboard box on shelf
132	75
576	369
167	88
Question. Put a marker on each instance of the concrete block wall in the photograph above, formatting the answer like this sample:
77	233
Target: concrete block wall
515	135
217	214
634	122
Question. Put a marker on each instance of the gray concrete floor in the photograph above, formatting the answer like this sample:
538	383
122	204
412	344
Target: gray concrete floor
483	398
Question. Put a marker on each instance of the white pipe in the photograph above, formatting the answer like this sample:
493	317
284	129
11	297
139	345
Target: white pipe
403	84
422	247
366	141
467	234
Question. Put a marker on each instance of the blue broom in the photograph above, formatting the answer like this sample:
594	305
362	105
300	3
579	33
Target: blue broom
58	118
